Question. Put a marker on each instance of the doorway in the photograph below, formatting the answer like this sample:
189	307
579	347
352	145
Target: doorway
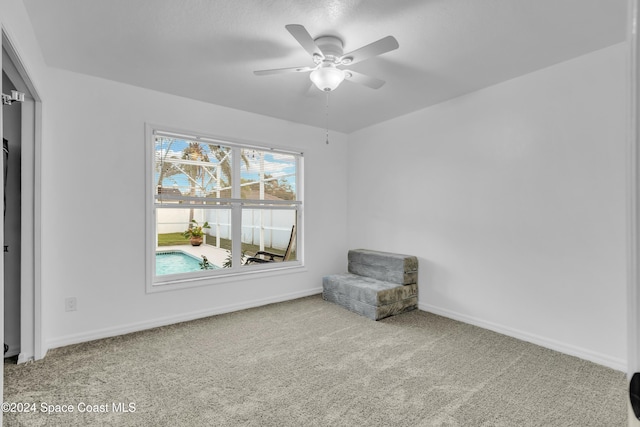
11	150
22	130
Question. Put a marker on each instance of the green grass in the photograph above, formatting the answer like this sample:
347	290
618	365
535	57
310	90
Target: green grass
170	239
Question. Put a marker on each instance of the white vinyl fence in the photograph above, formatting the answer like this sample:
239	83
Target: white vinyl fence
275	224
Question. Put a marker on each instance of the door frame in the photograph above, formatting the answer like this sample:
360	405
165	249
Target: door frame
31	344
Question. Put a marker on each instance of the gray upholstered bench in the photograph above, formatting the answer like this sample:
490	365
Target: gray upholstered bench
377	285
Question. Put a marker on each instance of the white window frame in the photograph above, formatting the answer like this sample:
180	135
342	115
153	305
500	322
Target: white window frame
237	271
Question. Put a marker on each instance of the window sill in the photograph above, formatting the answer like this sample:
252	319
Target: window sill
236	276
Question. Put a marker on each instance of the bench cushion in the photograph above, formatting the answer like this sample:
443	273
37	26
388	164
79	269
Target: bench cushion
368	290
375	299
385	266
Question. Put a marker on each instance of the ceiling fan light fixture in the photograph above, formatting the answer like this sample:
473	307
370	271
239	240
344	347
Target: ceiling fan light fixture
327	77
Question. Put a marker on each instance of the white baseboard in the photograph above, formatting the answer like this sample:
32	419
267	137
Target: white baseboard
163	321
582	353
24	358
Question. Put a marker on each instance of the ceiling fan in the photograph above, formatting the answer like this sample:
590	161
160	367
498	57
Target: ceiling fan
327	55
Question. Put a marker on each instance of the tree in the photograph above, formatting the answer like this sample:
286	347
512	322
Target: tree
163	168
223	156
194	152
282	189
279	188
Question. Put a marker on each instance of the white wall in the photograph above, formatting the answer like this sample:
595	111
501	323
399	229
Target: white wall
513	198
94	194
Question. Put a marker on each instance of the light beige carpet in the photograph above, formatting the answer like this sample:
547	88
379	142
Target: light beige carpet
311	363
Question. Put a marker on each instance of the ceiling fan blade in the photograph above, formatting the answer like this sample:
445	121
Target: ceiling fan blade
283	71
363	79
379	47
304	38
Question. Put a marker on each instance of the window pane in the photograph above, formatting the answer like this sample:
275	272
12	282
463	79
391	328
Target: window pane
267	235
184	246
268	176
193	169
247	195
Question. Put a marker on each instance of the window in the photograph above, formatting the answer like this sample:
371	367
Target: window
220	208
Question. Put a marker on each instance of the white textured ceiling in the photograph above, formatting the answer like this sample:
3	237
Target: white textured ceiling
208	49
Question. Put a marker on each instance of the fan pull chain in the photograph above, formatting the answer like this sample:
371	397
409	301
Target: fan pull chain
327	116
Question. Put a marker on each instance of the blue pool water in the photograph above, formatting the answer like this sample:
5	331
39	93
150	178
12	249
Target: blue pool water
176	262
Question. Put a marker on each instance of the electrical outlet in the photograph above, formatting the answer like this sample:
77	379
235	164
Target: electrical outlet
71	304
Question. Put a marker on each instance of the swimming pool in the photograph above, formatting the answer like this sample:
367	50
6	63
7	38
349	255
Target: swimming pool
176	262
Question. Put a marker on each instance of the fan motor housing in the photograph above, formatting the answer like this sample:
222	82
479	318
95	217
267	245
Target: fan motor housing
330	46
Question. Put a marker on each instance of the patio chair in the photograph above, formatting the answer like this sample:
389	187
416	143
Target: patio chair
262	257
